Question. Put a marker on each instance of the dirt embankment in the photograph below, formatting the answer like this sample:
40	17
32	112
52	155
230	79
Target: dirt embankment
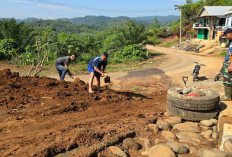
40	116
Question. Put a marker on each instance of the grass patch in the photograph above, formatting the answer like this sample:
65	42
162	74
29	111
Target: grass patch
170	44
223	54
137	90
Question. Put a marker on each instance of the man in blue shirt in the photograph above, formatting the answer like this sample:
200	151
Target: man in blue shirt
94	69
227	75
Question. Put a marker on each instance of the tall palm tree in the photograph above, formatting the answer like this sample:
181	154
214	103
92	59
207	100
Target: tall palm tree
89	45
22	34
130	34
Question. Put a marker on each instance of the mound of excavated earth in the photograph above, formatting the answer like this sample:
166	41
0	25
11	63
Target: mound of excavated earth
40	116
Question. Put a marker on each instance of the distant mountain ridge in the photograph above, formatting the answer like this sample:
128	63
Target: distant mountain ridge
105	20
89	20
163	20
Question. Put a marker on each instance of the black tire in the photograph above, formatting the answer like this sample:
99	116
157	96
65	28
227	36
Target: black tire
191	115
194	76
204	103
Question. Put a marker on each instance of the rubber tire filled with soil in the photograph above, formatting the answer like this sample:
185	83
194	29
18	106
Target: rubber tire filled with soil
191	115
210	101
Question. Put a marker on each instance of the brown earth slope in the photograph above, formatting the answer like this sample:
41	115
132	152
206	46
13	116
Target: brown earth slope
41	116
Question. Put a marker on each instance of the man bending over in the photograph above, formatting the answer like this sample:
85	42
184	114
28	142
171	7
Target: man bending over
94	69
61	65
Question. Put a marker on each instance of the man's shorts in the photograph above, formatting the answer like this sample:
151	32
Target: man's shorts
91	70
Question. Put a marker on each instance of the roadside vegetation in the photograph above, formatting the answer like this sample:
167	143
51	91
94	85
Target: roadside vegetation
171	43
223	54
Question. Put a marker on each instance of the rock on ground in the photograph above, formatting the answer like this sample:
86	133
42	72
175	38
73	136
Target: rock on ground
167	114
193	150
168	135
190	137
212	153
147	143
215	121
214	128
215	135
178	147
187	127
154	127
228	145
159	141
129	143
207	134
163	125
205	127
117	151
161	150
207	123
173	120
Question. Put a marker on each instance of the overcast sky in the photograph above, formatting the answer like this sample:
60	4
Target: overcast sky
51	9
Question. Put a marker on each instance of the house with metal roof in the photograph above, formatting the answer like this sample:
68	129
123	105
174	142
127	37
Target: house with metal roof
211	22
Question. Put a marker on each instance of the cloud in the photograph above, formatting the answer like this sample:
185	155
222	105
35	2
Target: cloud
48	6
20	1
59	7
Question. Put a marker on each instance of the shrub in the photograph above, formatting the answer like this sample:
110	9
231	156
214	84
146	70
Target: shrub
8	48
223	54
153	40
28	57
131	53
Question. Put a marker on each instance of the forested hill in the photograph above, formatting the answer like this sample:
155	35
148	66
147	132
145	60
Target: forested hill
146	20
91	24
64	26
89	20
162	20
100	20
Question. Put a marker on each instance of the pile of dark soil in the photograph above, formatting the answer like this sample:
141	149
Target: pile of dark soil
41	116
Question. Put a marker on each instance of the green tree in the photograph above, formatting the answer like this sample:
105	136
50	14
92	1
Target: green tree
89	44
129	33
111	45
131	53
154	32
8	48
19	32
218	2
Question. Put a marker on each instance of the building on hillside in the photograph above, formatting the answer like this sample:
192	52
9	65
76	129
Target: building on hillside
211	22
229	19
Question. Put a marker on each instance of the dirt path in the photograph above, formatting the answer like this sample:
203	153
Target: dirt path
182	63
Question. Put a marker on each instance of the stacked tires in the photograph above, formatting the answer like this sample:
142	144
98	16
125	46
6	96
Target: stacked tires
193	108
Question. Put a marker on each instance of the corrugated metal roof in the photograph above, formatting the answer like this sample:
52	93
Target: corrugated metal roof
216	10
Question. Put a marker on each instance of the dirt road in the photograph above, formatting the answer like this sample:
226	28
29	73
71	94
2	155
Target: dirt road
181	63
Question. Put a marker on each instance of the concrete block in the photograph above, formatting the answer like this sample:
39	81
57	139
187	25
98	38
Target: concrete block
226	134
225	117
